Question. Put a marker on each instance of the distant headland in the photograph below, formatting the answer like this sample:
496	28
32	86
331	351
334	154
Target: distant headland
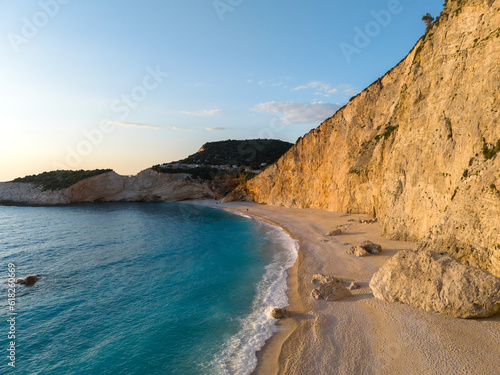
213	171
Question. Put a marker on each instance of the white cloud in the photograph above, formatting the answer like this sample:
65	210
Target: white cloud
206	112
325	89
272	82
190	129
134	125
173	127
298	113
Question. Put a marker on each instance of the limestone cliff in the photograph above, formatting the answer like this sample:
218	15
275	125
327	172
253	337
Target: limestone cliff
416	148
111	187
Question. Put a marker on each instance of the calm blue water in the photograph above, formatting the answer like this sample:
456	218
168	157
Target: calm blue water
140	288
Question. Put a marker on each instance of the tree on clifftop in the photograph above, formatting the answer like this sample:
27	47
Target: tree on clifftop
428	19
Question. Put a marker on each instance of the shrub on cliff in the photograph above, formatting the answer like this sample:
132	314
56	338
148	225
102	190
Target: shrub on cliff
490	152
57	180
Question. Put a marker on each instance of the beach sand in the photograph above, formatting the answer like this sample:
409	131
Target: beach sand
361	335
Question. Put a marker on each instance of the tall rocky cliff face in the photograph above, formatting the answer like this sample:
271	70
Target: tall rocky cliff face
416	148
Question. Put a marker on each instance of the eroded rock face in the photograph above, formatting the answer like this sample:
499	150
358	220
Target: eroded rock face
437	283
414	148
147	186
329	288
15	193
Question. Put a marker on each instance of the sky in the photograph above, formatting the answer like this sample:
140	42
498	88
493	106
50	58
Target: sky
127	84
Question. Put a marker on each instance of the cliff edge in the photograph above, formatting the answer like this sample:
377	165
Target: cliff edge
147	186
417	149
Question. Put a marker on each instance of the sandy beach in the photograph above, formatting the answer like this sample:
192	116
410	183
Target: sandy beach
361	335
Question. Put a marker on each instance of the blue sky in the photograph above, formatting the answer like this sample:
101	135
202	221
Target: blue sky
127	84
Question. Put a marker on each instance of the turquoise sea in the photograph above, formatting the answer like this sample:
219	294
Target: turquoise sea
140	288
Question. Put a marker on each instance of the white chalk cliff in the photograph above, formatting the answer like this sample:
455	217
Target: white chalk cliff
147	186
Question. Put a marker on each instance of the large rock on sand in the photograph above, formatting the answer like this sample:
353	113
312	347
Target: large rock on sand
329	288
371	247
358	251
437	283
366	248
335	232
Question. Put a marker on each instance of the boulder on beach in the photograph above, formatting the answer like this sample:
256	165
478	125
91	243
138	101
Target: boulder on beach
278	313
358	251
335	232
329	288
371	247
353	286
28	280
437	282
366	248
368	221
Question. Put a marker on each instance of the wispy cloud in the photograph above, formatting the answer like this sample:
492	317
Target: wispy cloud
272	82
326	89
205	112
171	127
134	125
298	113
197	129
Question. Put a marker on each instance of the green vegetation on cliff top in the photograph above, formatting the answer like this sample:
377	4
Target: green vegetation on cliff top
202	173
234	152
57	180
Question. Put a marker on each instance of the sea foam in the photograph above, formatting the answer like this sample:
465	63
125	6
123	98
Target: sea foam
238	355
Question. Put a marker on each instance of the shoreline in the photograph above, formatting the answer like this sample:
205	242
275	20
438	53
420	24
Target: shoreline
360	334
271	350
267	355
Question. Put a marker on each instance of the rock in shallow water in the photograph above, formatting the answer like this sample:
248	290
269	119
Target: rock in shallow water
28	280
278	313
437	283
